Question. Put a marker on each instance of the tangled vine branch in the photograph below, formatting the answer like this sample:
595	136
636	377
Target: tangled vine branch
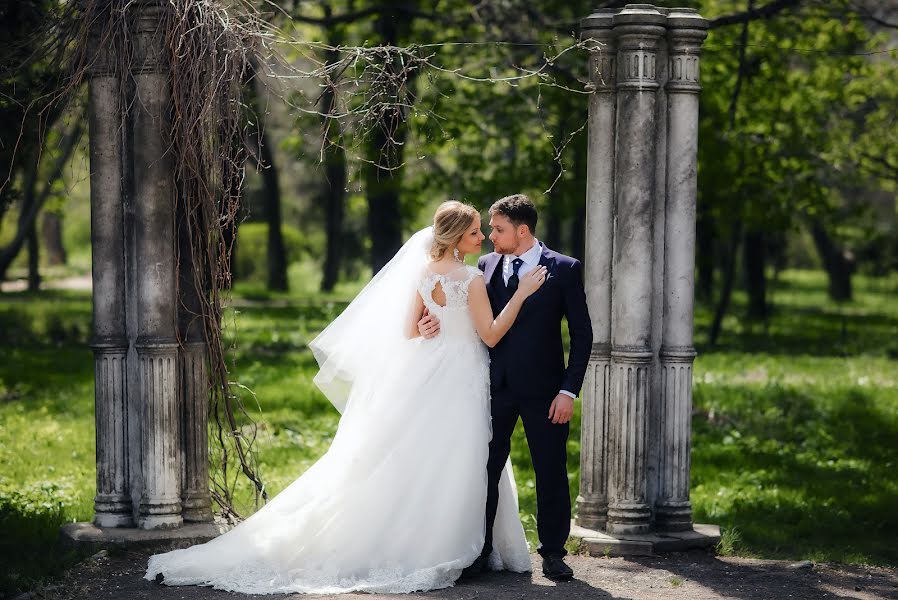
212	50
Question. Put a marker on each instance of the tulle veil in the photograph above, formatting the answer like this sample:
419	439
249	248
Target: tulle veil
371	330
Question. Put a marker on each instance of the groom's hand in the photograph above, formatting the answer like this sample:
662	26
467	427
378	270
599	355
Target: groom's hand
562	409
429	325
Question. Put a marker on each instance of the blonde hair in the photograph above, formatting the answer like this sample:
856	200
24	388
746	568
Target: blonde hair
450	222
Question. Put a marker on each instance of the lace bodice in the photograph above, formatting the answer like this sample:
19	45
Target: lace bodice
455	319
454	284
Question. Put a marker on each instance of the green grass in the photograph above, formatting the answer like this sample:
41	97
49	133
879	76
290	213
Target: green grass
795	429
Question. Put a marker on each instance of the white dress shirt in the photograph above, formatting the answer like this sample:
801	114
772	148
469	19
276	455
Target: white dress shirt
530	258
531	261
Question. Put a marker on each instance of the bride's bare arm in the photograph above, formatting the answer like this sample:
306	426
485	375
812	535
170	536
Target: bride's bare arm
411	326
492	330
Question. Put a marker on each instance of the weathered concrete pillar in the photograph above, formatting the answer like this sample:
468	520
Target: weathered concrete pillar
112	505
637	29
154	204
196	503
686	31
592	502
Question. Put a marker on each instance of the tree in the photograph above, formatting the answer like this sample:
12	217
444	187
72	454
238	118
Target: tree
29	84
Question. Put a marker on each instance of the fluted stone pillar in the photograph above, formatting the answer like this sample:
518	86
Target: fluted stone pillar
637	29
592	502
686	31
195	499
112	505
156	344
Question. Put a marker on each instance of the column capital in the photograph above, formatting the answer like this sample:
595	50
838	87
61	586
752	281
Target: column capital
638	29
686	30
596	32
642	20
147	21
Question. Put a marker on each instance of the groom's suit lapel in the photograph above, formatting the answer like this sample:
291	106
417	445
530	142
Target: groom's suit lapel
547	260
492	261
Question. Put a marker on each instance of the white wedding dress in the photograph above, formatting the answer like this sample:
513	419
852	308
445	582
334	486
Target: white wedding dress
397	502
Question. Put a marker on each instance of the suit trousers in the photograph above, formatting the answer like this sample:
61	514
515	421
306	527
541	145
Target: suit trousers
548	451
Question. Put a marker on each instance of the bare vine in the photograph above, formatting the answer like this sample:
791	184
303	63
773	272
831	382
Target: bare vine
212	49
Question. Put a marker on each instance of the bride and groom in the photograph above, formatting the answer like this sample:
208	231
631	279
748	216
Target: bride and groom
431	366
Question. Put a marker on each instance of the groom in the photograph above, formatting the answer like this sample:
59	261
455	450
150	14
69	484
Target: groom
528	377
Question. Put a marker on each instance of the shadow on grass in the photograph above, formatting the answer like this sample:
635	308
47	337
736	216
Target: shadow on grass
798	474
29	551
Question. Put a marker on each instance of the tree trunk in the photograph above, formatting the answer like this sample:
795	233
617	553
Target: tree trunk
383	183
704	256
383	173
754	260
838	266
277	254
726	294
51	230
27	214
334	187
32	202
34	268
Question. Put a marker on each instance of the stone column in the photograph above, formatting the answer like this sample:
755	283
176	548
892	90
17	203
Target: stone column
686	31
195	499
197	506
637	29
154	203
592	502
112	505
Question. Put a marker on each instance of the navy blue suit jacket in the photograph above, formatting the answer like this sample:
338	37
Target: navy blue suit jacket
529	360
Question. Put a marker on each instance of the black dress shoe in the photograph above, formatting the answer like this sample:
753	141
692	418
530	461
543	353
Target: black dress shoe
475	569
555	568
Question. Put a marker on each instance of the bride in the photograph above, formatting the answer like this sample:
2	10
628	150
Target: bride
397	502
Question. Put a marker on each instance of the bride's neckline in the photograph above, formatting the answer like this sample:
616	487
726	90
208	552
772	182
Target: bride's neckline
450	271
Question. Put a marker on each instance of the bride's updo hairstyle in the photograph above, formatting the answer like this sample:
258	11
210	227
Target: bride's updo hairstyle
450	222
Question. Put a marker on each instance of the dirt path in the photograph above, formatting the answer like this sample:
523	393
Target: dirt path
693	575
80	283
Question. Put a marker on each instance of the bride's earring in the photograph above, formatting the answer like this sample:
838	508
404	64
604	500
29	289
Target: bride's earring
455	254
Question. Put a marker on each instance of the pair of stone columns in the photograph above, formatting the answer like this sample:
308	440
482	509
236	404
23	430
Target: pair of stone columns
151	386
639	270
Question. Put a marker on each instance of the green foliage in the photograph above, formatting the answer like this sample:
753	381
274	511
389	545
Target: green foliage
795	430
813	100
250	256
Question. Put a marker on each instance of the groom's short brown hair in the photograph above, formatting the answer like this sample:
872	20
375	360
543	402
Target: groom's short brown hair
518	209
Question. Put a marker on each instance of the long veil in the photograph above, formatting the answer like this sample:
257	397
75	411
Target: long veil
371	329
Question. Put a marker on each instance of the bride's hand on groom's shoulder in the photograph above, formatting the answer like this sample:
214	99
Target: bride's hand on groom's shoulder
532	280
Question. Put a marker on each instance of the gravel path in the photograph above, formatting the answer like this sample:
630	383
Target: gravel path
694	575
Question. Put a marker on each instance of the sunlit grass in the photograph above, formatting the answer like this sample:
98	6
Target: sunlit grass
795	430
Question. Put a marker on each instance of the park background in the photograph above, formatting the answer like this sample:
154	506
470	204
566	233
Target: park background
795	420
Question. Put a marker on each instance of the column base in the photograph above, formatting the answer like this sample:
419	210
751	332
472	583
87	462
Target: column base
89	538
160	521
196	508
603	543
113	511
629	518
591	513
673	516
103	519
160	515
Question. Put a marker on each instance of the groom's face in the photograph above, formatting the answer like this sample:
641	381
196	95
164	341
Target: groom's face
504	235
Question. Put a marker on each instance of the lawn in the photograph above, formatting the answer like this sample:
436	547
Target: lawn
795	427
